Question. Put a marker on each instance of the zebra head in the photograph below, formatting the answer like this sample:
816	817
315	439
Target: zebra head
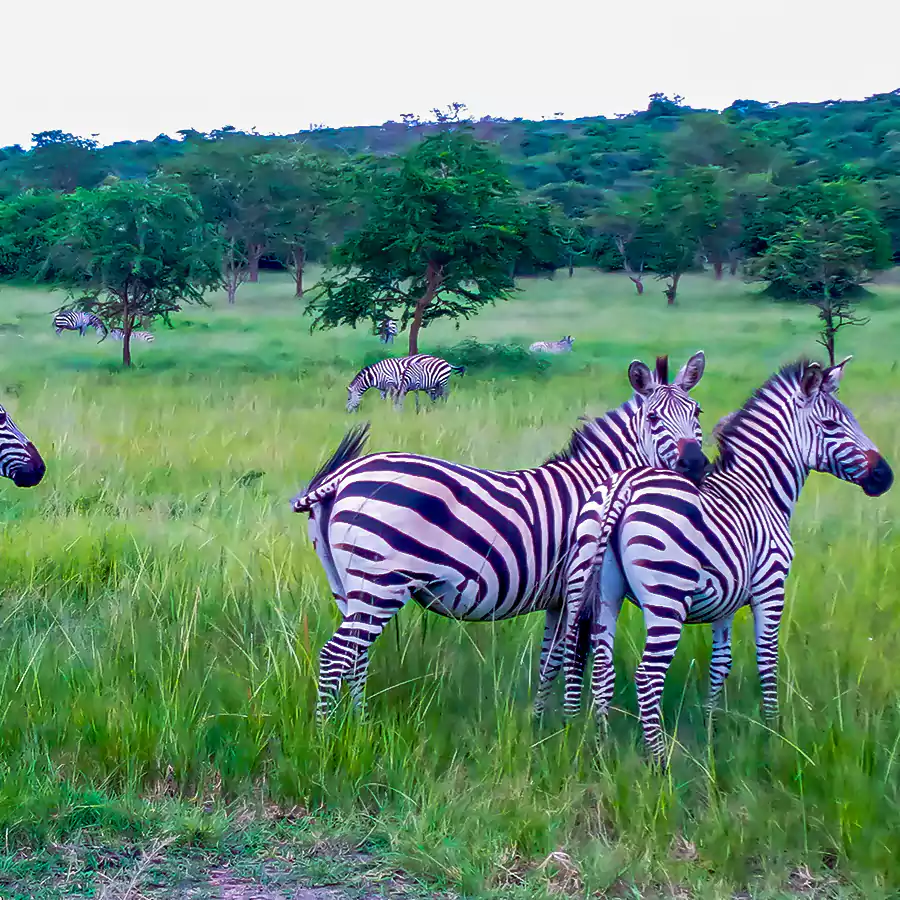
829	435
355	390
667	422
19	458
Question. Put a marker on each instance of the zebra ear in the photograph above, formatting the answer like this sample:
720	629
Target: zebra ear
691	372
811	381
641	378
831	379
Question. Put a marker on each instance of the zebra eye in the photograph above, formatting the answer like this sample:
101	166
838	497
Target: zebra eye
829	423
652	417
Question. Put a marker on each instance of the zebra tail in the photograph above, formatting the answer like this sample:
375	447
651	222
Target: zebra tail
322	484
460	369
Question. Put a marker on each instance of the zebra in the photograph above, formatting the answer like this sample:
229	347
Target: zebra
117	334
19	458
387	331
397	377
473	544
561	346
689	554
77	320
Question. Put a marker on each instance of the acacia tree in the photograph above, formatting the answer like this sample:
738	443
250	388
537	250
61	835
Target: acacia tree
621	219
134	251
445	227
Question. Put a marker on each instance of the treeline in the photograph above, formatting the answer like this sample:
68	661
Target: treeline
423	219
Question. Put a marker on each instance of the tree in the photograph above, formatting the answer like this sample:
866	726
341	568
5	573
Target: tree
306	189
134	251
444	230
25	233
61	162
620	217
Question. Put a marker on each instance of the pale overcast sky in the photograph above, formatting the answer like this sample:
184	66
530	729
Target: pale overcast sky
126	70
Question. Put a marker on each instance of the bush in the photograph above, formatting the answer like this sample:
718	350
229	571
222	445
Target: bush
511	359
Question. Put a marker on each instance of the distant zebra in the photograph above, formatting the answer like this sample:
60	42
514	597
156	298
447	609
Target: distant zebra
473	544
387	331
19	458
688	554
77	320
117	334
561	346
397	377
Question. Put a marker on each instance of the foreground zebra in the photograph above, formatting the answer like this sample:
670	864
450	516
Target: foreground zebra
77	320
688	554
562	346
397	377
473	544
19	458
387	331
117	334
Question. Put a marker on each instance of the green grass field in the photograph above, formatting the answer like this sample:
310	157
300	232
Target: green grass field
162	611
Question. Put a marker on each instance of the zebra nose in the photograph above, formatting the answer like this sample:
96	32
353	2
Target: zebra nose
879	478
691	462
33	471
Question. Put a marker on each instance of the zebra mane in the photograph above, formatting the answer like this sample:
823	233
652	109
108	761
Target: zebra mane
662	369
734	424
584	437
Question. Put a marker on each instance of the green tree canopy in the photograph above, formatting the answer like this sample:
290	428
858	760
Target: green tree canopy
444	230
25	233
134	251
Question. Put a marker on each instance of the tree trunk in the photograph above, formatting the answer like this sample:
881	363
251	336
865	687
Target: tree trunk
733	260
231	289
717	267
433	278
256	251
299	254
636	277
571	267
127	328
638	283
672	289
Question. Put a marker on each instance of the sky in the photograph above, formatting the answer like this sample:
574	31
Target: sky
125	70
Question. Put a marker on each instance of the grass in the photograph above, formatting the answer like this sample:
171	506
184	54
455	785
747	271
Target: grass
162	611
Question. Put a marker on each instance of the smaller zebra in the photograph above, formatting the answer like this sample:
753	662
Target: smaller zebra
387	331
384	376
77	320
117	334
426	373
563	346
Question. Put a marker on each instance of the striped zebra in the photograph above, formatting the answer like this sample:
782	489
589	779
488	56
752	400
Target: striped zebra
117	334
397	377
387	331
561	346
77	320
19	458
473	544
688	554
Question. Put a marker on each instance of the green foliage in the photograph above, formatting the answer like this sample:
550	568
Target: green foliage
499	358
134	251
442	235
25	222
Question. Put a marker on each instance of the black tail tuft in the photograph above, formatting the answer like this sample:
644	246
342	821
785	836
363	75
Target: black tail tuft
460	369
349	448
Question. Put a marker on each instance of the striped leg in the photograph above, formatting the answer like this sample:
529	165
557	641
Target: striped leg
356	681
551	658
342	656
603	639
720	664
664	622
767	610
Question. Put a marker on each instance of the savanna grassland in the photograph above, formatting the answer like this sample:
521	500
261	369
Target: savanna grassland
162	611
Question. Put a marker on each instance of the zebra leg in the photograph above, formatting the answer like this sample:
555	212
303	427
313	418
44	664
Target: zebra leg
720	663
603	639
551	658
664	621
767	610
356	681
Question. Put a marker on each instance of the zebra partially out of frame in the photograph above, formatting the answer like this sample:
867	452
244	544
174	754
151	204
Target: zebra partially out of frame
19	458
77	320
117	334
397	377
387	331
561	346
691	554
473	544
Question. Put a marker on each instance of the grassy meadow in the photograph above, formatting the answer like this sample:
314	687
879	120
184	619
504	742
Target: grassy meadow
162	611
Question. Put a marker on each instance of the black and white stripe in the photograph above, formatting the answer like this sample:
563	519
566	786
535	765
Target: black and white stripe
77	320
387	331
398	377
19	458
118	334
473	544
562	346
688	554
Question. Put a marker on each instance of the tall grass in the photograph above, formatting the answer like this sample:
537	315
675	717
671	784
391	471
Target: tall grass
162	609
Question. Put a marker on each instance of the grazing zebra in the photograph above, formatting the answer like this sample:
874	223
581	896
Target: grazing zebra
688	554
19	458
473	544
562	346
77	320
387	331
397	377
117	334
